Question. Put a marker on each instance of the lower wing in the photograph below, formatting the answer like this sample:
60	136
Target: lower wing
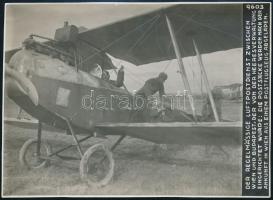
187	133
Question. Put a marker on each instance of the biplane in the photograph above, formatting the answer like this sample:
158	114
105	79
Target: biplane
50	80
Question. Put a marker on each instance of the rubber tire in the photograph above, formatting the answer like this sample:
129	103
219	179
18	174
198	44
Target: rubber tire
84	162
24	150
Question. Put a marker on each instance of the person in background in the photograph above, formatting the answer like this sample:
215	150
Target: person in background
120	77
96	71
105	75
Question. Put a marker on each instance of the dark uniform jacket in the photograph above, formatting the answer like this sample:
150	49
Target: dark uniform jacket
150	87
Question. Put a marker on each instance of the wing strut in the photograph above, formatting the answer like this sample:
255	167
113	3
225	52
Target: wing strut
181	66
206	81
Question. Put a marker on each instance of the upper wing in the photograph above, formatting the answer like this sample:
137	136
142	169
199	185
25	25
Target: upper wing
188	133
146	39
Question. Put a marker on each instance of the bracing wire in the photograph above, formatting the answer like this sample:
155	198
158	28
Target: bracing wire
141	38
178	30
209	26
118	39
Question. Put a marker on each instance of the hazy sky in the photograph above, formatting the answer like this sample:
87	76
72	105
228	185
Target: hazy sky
44	19
224	67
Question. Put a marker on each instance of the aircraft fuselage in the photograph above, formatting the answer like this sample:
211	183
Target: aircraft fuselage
52	88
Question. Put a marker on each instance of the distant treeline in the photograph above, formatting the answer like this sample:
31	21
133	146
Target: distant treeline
229	92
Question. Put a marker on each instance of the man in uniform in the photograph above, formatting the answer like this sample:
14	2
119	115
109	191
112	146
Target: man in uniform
150	87
153	86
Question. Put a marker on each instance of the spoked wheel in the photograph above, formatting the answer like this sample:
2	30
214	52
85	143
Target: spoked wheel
97	166
28	156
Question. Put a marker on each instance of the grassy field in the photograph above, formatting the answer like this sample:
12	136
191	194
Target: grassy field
183	170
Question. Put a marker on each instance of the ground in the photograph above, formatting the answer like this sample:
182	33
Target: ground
182	170
186	170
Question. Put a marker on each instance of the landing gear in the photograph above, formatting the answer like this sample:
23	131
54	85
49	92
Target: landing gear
33	152
96	163
30	158
97	166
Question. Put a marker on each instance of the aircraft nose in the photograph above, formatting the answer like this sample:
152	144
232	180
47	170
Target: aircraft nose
18	84
22	62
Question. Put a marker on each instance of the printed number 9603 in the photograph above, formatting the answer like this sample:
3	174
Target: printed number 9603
254	6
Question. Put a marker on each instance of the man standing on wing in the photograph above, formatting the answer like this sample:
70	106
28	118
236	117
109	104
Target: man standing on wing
150	87
153	86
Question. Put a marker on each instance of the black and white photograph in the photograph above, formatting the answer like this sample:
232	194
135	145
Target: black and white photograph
135	99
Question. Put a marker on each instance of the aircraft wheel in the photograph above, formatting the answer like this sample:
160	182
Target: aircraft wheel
97	166
28	154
